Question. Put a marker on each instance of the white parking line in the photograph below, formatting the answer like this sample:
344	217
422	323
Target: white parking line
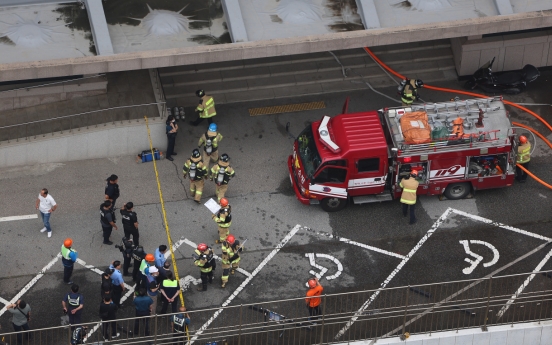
246	281
361	245
500	225
3	301
9	219
194	245
394	273
524	285
32	282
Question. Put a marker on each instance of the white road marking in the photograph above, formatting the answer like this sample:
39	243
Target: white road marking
362	245
500	225
246	281
313	263
32	282
9	219
413	251
524	285
194	245
175	247
478	258
323	269
3	301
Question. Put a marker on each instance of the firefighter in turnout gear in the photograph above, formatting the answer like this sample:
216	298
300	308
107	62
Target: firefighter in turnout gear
522	158
203	258
408	196
205	109
223	218
409	92
210	141
231	250
221	173
197	171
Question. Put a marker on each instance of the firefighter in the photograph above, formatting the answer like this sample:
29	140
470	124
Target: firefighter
223	218
410	91
231	250
205	109
204	259
313	298
408	196
522	158
197	171
221	173
210	141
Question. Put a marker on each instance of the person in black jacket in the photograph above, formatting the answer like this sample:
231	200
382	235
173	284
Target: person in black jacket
171	129
108	314
107	219
112	189
130	222
107	285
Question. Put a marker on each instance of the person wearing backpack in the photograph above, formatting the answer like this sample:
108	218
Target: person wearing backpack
73	304
21	316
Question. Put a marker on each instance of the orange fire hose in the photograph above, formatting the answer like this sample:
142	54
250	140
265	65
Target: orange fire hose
473	94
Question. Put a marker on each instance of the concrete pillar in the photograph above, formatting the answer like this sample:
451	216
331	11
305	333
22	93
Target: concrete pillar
234	18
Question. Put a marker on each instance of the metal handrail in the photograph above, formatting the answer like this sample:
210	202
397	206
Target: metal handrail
396	311
48	84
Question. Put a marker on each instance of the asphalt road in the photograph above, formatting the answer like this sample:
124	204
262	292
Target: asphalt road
374	238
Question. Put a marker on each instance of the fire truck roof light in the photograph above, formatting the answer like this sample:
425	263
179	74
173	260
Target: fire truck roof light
325	135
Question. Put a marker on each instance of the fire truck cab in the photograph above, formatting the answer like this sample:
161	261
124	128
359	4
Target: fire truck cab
457	147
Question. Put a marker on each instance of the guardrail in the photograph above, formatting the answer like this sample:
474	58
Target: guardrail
345	317
87	119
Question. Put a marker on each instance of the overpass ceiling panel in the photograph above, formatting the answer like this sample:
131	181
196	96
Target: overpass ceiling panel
273	19
44	32
138	25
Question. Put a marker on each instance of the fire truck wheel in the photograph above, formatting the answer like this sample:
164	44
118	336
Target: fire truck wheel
455	191
333	204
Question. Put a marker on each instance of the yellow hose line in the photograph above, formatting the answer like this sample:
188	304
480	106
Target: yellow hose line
165	219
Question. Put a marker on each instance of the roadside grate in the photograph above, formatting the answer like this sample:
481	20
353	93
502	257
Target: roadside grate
288	108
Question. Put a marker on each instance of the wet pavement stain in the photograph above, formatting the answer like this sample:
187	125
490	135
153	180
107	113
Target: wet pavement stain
76	18
276	19
201	14
403	4
348	12
6	40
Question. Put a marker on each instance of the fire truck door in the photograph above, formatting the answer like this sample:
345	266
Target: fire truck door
330	181
369	177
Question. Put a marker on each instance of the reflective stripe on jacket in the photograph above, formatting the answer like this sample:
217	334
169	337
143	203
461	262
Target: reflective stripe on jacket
207	107
409	187
524	153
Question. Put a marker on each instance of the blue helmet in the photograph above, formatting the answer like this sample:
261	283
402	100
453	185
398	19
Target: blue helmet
213	127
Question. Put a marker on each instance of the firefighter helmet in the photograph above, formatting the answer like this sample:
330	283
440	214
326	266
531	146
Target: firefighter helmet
312	283
202	247
223	202
419	83
200	93
213	127
225	158
68	243
196	154
522	139
230	239
150	258
414	173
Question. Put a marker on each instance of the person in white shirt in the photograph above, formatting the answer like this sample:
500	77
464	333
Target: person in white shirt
46	205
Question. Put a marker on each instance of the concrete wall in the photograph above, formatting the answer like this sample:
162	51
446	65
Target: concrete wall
531	333
276	47
110	140
511	51
30	97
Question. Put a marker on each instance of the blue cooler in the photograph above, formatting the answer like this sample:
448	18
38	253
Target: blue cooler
147	156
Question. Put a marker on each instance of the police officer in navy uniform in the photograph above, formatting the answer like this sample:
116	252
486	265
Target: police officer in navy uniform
138	254
108	221
130	222
112	189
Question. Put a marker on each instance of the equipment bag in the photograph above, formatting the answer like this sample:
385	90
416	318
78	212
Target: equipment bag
147	156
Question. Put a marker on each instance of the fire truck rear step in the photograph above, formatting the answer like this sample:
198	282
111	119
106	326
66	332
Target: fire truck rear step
365	199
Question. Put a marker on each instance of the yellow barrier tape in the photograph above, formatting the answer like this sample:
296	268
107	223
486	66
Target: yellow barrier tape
169	238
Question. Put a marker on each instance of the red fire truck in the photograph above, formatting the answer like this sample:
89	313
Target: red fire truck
457	147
